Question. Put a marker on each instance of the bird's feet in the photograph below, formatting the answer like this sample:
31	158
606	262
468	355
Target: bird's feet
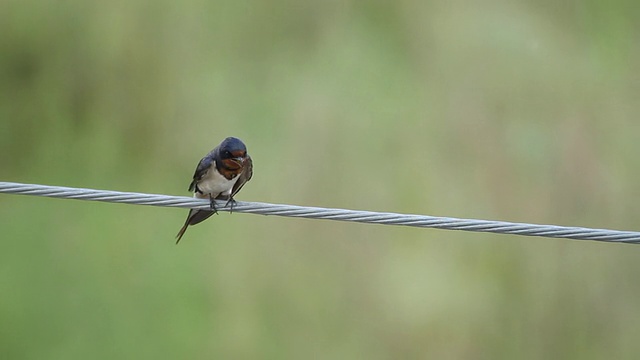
231	201
212	203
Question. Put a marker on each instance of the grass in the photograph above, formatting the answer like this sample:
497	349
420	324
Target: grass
519	112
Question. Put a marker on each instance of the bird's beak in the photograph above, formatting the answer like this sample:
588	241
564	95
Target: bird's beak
239	161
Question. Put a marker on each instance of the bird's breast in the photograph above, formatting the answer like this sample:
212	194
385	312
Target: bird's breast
215	183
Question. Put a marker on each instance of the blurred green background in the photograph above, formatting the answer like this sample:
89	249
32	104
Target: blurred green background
519	111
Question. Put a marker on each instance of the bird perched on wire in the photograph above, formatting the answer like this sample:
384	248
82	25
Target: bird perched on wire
219	175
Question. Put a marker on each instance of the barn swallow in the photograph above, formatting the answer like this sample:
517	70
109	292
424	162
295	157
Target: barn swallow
219	175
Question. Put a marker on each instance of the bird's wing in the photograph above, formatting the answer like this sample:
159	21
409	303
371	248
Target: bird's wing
201	170
245	176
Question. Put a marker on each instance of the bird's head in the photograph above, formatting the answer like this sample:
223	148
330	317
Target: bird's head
233	153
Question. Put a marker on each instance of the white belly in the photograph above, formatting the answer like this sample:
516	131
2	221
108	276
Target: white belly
215	184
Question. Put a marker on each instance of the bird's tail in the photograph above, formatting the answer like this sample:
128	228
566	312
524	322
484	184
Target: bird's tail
181	232
194	217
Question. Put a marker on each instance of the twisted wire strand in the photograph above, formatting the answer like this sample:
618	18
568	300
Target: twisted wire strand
385	218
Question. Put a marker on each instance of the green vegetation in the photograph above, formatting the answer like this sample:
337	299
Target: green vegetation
518	111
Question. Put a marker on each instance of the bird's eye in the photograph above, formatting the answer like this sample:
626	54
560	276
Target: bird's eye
227	153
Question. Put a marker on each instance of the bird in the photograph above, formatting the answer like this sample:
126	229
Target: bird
219	175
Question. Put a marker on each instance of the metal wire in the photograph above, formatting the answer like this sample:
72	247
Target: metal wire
499	227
